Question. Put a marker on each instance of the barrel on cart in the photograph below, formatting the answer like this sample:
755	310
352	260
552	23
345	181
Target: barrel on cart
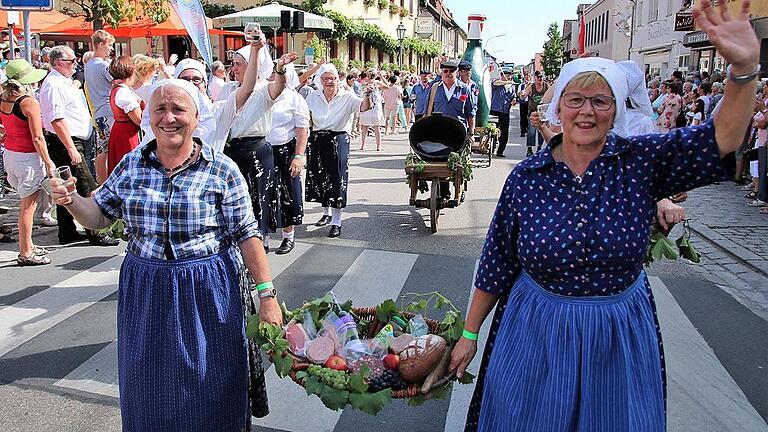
433	139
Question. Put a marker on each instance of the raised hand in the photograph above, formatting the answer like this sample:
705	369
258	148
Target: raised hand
733	37
287	58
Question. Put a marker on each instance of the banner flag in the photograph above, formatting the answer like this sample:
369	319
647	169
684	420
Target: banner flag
192	16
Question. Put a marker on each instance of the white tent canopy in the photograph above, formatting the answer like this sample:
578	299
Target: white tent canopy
269	16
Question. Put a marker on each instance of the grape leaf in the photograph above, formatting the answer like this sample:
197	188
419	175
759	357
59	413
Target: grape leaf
416	401
439	392
282	365
302	375
346	306
313	385
467	378
439	302
385	310
357	383
334	399
371	403
252	326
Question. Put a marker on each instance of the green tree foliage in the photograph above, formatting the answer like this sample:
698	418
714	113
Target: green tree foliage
111	12
213	10
552	58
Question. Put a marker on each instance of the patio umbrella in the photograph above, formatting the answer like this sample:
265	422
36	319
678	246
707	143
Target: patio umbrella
269	16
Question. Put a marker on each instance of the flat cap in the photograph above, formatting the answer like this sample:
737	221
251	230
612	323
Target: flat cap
465	65
449	64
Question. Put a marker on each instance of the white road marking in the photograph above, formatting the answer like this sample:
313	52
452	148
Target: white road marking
28	318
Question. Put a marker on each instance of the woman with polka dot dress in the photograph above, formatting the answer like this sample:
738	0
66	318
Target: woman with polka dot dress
574	344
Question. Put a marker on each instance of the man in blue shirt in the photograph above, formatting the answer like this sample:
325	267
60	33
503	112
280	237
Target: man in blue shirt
453	97
502	98
421	93
465	74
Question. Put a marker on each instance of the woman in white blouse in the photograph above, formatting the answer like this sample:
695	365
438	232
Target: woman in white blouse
332	111
247	144
126	108
288	137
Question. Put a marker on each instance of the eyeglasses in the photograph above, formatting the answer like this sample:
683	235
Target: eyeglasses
329	79
599	102
449	71
70	61
194	80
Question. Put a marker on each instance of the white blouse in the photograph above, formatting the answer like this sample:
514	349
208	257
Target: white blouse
289	112
335	115
255	118
126	99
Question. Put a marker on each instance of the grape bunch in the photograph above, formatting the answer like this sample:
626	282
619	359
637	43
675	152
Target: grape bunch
389	379
334	378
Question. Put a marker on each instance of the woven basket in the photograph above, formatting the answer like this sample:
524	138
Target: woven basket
413	390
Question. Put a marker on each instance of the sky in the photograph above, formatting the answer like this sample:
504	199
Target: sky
524	23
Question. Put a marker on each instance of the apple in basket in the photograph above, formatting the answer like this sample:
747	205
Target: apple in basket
336	362
392	361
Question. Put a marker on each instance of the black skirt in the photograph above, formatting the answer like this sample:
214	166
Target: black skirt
290	208
328	168
253	156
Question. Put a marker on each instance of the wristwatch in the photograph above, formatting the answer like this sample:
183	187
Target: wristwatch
269	292
277	71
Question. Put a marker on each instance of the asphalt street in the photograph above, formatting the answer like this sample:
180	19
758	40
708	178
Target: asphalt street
58	333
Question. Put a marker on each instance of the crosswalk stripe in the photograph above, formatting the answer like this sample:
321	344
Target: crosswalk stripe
29	317
374	277
701	393
98	374
461	395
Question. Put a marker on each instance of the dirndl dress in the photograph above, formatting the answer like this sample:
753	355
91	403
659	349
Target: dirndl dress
569	363
253	156
290	203
182	353
328	168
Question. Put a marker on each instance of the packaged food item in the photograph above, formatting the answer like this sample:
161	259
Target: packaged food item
297	338
320	349
399	326
418	326
401	342
381	342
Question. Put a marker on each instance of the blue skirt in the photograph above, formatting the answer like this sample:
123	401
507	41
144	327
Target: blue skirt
182	358
562	363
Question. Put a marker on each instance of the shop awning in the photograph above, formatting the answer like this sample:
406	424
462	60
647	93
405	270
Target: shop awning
137	28
38	20
269	16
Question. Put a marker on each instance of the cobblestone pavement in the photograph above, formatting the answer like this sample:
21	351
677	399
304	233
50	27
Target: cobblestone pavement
733	240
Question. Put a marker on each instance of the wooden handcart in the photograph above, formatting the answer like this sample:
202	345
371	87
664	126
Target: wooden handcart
433	173
485	142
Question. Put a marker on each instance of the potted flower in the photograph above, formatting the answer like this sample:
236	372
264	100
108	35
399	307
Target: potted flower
383	4
394	9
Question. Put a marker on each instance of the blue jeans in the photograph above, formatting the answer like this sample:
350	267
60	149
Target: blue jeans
534	139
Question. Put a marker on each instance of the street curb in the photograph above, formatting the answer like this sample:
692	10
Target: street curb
736	251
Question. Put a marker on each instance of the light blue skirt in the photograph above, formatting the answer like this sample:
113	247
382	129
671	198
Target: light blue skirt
182	359
563	363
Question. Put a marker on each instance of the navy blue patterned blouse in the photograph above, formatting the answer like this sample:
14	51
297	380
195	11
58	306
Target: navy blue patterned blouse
588	237
197	212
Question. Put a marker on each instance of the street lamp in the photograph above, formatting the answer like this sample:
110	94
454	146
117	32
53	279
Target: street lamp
400	37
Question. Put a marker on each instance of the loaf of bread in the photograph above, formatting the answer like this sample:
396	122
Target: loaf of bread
420	356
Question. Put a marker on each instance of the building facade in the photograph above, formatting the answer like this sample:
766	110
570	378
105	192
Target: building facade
703	56
656	46
608	28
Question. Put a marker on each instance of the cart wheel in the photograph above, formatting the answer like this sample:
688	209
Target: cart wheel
434	212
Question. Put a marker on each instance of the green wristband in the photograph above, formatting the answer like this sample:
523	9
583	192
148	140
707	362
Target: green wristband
263	286
299	156
469	335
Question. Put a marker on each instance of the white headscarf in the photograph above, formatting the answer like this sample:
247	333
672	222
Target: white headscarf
325	68
189	63
638	117
613	74
291	77
265	61
206	123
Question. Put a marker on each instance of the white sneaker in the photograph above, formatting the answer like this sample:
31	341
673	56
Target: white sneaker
756	203
46	221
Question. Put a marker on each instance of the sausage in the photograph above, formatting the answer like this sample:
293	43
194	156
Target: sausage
320	349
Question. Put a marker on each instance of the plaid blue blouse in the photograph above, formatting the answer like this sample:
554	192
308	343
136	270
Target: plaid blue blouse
200	211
